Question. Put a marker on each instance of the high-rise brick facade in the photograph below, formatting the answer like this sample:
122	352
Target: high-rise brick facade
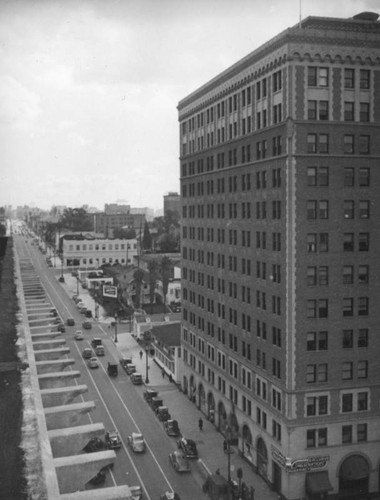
280	187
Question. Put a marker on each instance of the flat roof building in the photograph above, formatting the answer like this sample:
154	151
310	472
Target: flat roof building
280	182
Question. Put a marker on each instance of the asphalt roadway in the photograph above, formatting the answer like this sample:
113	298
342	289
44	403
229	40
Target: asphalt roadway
209	440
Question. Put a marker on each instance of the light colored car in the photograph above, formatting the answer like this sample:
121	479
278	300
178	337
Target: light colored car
179	462
93	362
79	335
136	442
136	492
80	305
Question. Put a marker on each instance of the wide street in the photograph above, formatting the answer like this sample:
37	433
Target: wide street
119	404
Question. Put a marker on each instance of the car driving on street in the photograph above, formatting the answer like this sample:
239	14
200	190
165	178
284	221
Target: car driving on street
136	442
93	362
113	440
87	353
188	447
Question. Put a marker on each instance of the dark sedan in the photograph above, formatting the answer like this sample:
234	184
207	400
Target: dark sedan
188	447
179	462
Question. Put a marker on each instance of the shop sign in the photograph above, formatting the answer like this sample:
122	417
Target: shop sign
300	465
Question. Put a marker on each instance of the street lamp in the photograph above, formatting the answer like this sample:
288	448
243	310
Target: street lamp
77	285
115	328
146	365
228	449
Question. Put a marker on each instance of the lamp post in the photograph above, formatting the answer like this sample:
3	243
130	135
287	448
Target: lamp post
115	328
77	286
228	439
146	365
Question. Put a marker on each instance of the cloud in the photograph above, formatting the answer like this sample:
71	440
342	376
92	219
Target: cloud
19	106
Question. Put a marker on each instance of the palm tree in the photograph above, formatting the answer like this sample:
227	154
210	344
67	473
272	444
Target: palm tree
165	267
138	276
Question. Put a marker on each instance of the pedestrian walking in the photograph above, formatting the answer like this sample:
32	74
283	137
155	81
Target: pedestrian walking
170	378
163	373
141	354
200	424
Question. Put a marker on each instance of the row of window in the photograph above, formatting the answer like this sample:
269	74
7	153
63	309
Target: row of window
100	247
319	275
319	308
317	438
319	242
319	110
318	340
319	176
319	76
319	143
318	372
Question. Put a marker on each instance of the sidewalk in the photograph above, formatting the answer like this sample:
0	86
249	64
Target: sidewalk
209	441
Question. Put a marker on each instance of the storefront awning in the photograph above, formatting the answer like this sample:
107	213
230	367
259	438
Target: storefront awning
318	482
354	467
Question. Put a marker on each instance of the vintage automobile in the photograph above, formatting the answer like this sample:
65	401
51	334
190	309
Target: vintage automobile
93	362
136	442
163	414
188	447
99	350
87	325
171	428
136	492
112	369
96	341
113	440
61	328
136	378
70	321
170	495
155	403
87	353
130	368
179	462
149	394
78	335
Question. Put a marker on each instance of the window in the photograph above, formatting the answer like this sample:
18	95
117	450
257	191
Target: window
361	432
347	341
348	242
316	373
346	434
348	275
348	177
316	437
363	209
323	113
347	370
364	78
349	78
347	403
311	209
363	306
349	111
348	306
362	401
311	143
323	143
312	176
363	177
317	76
323	209
311	276
348	144
363	242
363	369
363	274
363	337
364	141
348	209
311	242
316	405
364	112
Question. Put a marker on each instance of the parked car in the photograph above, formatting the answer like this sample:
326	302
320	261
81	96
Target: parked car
130	368
83	310
137	378
95	444
163	414
87	325
53	312
93	362
155	403
80	304
136	442
61	328
171	428
170	495
78	335
112	369
87	353
179	462
70	321
188	447
149	394
99	350
88	313
136	492
56	320
113	440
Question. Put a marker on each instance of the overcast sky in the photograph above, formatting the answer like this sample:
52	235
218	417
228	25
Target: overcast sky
89	88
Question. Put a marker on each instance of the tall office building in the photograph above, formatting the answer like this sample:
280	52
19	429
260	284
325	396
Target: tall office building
280	186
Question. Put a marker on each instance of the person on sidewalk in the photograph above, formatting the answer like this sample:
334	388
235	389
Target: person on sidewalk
200	424
141	354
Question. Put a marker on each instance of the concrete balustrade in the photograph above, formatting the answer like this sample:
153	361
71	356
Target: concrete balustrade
57	379
68	415
51	353
72	440
62	395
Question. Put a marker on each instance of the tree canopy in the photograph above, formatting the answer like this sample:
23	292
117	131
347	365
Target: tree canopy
76	219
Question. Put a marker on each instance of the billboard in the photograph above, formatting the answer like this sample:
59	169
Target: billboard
109	291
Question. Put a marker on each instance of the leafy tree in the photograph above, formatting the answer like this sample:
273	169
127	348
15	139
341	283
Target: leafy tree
165	267
147	238
76	219
138	276
168	243
153	276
